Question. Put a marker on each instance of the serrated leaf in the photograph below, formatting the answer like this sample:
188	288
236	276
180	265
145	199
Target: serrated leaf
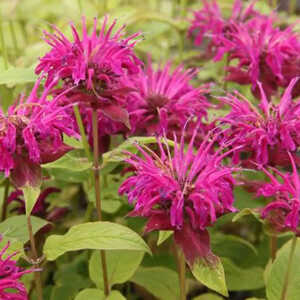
163	235
121	265
211	275
15	228
97	236
31	194
277	273
161	282
240	279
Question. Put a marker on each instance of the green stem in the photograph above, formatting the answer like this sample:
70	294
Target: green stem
84	140
289	269
98	193
37	275
183	7
3	47
80	6
181	45
181	271
273	246
5	195
292	6
14	37
105	6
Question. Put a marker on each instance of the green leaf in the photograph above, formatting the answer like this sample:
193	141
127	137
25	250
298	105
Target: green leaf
72	142
96	235
65	292
209	296
70	162
95	294
121	265
70	168
31	195
15	76
90	294
225	245
14	247
110	197
277	273
15	228
211	275
247	212
161	282
163	235
118	155
239	279
115	295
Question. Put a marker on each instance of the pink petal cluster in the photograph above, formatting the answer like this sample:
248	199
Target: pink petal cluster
93	68
185	192
283	213
264	53
266	133
10	286
209	24
257	50
164	100
31	133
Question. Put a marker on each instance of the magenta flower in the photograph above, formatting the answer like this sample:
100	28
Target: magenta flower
31	134
208	23
10	286
266	54
94	68
164	100
266	133
185	192
283	213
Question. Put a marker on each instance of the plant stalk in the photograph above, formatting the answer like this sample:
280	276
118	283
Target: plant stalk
14	37
84	140
292	6
289	269
37	275
183	7
273	246
181	271
98	193
3	46
5	195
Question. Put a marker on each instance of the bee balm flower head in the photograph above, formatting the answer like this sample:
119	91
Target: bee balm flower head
267	132
283	213
31	133
185	192
95	66
164	99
